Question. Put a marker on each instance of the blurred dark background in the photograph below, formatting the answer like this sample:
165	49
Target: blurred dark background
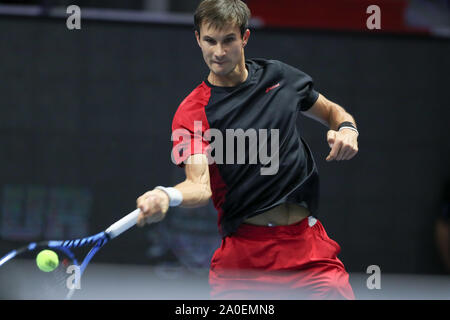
85	124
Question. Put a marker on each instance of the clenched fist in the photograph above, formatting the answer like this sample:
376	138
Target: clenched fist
154	205
343	144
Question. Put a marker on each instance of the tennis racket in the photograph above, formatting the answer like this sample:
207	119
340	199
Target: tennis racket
62	282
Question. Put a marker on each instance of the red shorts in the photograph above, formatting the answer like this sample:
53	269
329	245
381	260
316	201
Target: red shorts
284	262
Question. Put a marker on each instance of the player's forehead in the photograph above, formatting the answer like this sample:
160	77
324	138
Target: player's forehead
217	31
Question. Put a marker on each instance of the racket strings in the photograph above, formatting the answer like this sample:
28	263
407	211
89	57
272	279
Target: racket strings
55	284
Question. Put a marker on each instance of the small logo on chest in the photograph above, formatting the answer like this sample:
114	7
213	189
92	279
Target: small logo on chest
272	87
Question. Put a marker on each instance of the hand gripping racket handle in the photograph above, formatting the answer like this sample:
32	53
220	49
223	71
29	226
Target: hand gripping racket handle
123	224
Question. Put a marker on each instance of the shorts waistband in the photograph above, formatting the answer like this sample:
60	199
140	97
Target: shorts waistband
253	231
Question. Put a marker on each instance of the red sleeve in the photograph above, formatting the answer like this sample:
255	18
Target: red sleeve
189	125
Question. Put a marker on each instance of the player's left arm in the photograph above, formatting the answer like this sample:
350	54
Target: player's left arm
343	143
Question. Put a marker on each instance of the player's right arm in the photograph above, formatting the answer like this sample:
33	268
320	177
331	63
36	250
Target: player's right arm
195	189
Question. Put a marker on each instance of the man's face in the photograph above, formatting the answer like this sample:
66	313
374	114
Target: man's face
222	49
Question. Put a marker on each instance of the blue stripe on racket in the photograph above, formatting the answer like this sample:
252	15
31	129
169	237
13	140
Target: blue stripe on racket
64	280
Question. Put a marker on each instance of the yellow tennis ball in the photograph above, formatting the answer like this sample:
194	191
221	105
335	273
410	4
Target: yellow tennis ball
47	260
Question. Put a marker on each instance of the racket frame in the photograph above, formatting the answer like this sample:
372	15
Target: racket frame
98	240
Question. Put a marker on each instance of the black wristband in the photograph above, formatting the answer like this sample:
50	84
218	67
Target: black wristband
346	124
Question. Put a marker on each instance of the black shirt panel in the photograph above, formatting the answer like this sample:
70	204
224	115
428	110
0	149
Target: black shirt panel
270	99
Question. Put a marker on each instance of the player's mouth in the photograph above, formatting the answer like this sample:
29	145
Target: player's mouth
220	63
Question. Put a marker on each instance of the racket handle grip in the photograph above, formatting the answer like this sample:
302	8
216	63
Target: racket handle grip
123	224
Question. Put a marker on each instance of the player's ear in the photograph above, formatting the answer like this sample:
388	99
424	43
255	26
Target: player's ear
197	36
246	37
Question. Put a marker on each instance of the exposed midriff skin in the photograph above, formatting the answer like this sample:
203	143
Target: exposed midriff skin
282	215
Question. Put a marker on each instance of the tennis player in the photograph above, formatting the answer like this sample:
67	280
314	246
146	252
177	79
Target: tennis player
271	241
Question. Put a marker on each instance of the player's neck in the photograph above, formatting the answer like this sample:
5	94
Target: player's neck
234	78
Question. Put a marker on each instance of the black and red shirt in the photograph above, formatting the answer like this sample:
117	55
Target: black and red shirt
270	99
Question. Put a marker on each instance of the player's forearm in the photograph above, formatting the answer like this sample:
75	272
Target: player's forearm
194	194
329	113
337	115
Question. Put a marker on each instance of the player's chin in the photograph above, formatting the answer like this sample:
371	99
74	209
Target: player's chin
220	70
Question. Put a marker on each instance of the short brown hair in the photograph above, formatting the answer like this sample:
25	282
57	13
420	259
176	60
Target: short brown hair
219	13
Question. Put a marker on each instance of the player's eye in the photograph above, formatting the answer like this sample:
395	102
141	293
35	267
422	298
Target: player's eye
229	40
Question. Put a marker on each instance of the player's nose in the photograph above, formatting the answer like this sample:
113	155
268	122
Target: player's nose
220	52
